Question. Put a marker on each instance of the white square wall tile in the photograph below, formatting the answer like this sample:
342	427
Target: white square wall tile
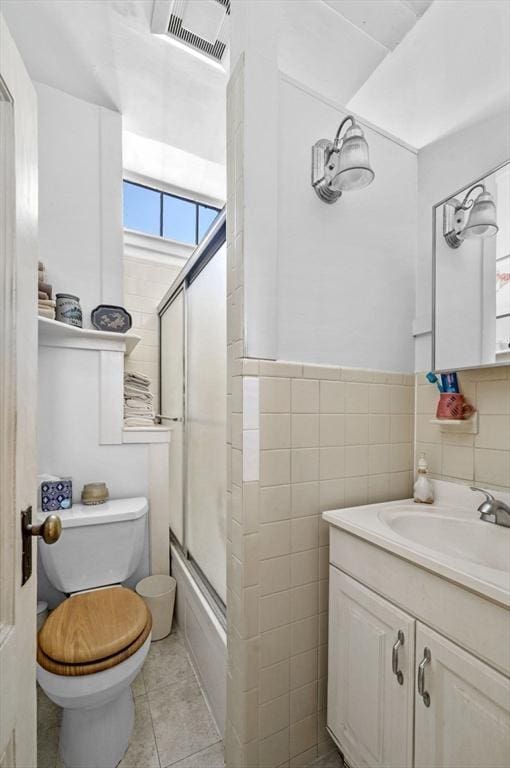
356	460
305	396
492	467
274	431
251	455
274	395
493	397
379	427
356	397
332	397
494	432
356	429
251	403
458	462
331	463
379	398
275	467
305	430
332	429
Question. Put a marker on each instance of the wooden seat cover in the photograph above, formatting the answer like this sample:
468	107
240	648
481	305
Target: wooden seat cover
72	670
93	626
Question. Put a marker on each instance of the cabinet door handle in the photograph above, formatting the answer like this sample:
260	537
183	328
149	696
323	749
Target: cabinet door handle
394	657
427	656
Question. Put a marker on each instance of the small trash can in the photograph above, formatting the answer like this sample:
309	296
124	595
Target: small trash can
159	595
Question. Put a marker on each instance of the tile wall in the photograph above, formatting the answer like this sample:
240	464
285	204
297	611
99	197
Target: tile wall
145	284
483	459
304	439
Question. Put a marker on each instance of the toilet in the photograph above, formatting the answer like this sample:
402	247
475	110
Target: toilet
94	644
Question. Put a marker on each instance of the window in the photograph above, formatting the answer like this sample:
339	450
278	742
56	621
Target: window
159	213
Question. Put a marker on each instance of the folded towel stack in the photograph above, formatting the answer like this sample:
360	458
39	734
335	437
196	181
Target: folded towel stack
138	400
46	306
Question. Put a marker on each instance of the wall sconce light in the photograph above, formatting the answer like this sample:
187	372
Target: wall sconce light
479	222
341	165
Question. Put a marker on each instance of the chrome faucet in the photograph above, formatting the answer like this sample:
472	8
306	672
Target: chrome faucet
493	510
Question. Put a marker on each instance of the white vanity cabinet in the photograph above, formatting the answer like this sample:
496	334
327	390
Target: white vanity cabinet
467	722
370	706
379	718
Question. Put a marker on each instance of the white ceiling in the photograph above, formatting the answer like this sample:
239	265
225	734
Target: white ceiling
386	21
103	51
416	68
451	69
333	46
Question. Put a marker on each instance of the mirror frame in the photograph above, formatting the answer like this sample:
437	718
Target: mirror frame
435	208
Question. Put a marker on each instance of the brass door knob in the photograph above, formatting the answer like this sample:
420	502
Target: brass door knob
50	529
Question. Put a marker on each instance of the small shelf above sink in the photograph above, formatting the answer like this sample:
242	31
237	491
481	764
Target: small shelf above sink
459	426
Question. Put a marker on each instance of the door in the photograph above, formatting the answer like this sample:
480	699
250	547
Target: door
18	397
172	404
370	705
467	721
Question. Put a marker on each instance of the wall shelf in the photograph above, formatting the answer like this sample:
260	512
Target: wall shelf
155	434
55	334
458	426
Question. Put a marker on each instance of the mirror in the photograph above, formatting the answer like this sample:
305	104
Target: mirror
471	275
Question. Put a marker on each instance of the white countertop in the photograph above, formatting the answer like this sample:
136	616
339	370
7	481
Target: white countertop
446	537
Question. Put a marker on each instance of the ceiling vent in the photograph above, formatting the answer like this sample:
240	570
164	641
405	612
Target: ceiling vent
199	24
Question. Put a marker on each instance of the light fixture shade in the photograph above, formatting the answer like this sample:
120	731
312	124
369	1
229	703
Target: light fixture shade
353	169
482	218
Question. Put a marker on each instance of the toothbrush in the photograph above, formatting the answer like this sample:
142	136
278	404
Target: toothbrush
434	380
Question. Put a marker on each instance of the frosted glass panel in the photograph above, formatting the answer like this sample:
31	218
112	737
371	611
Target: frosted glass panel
172	386
206	414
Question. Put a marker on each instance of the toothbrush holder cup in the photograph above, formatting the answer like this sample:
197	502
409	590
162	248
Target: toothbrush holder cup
452	405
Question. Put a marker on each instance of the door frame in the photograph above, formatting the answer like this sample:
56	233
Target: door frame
18	398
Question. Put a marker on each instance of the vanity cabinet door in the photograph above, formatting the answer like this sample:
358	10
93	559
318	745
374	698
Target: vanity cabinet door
370	709
467	720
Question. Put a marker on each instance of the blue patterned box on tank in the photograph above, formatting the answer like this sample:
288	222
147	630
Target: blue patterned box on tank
56	494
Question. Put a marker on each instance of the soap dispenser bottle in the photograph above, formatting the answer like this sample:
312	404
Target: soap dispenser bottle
423	488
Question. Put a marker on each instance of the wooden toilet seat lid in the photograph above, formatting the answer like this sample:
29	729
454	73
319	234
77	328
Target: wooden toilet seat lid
93	626
73	670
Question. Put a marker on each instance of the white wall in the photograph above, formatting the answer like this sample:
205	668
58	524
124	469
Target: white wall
81	244
80	198
68	429
345	271
444	167
317	277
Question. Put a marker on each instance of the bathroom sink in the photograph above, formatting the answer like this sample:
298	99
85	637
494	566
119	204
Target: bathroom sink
472	540
446	537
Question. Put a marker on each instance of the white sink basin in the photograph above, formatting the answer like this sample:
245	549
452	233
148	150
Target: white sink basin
472	540
447	537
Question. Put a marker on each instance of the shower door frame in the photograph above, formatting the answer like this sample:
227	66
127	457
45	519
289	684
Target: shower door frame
205	251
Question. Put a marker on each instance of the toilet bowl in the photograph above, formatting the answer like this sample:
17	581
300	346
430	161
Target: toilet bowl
89	652
94	644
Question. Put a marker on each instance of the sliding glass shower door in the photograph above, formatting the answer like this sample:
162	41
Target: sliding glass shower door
206	421
193	338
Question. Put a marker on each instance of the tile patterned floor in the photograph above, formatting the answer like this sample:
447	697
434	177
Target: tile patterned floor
173	726
330	760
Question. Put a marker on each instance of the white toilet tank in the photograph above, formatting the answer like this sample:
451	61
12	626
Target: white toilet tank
99	545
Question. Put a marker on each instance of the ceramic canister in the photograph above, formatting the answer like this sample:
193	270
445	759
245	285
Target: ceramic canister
68	309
